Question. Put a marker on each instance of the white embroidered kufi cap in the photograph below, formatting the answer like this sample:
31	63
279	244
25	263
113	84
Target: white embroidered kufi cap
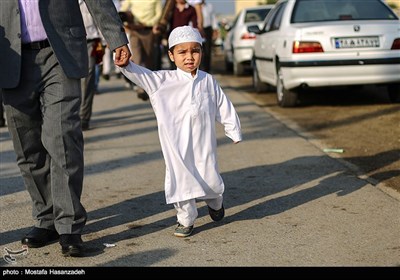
184	34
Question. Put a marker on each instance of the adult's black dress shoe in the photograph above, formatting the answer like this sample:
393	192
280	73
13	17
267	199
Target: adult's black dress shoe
39	237
85	125
71	245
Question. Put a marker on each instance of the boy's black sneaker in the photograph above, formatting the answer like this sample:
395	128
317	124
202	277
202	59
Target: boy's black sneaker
216	215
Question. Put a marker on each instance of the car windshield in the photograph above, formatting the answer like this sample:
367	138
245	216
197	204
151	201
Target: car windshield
336	10
256	15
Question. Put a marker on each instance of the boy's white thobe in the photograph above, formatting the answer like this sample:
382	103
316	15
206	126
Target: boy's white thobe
187	109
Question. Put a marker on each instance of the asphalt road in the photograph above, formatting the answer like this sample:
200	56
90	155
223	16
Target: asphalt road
288	204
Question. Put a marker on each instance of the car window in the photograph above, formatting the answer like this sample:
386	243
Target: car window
235	21
255	15
328	10
276	22
274	18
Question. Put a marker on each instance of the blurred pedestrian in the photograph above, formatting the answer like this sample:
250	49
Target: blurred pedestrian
95	53
188	103
183	14
210	29
199	13
143	17
107	68
2	119
42	60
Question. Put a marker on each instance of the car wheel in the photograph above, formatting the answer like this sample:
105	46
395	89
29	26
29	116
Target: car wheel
285	97
238	68
257	84
394	93
228	65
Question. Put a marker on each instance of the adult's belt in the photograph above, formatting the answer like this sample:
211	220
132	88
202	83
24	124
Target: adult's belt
36	45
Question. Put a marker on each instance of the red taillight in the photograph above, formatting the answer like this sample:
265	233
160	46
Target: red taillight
247	36
396	44
307	47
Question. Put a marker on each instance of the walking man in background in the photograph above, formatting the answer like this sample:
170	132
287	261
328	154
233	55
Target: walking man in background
2	120
210	29
95	55
197	5
143	29
107	67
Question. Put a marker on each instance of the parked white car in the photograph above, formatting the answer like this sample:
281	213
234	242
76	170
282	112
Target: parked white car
318	43
238	44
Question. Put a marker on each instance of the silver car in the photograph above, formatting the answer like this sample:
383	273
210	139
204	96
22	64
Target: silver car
319	43
238	44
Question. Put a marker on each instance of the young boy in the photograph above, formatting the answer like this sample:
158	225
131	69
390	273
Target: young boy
187	103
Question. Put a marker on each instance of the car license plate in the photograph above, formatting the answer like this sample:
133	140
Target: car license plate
357	42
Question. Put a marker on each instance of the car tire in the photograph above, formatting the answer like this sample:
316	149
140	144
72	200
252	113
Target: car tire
228	65
394	93
257	84
238	68
285	97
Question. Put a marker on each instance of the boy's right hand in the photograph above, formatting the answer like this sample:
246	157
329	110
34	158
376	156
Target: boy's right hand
122	55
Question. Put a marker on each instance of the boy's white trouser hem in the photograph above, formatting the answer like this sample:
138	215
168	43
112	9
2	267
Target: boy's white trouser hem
187	210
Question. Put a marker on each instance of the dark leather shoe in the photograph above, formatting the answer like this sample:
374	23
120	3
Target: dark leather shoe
71	245
216	215
85	126
39	237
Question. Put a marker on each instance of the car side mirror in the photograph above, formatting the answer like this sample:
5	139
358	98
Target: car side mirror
254	29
